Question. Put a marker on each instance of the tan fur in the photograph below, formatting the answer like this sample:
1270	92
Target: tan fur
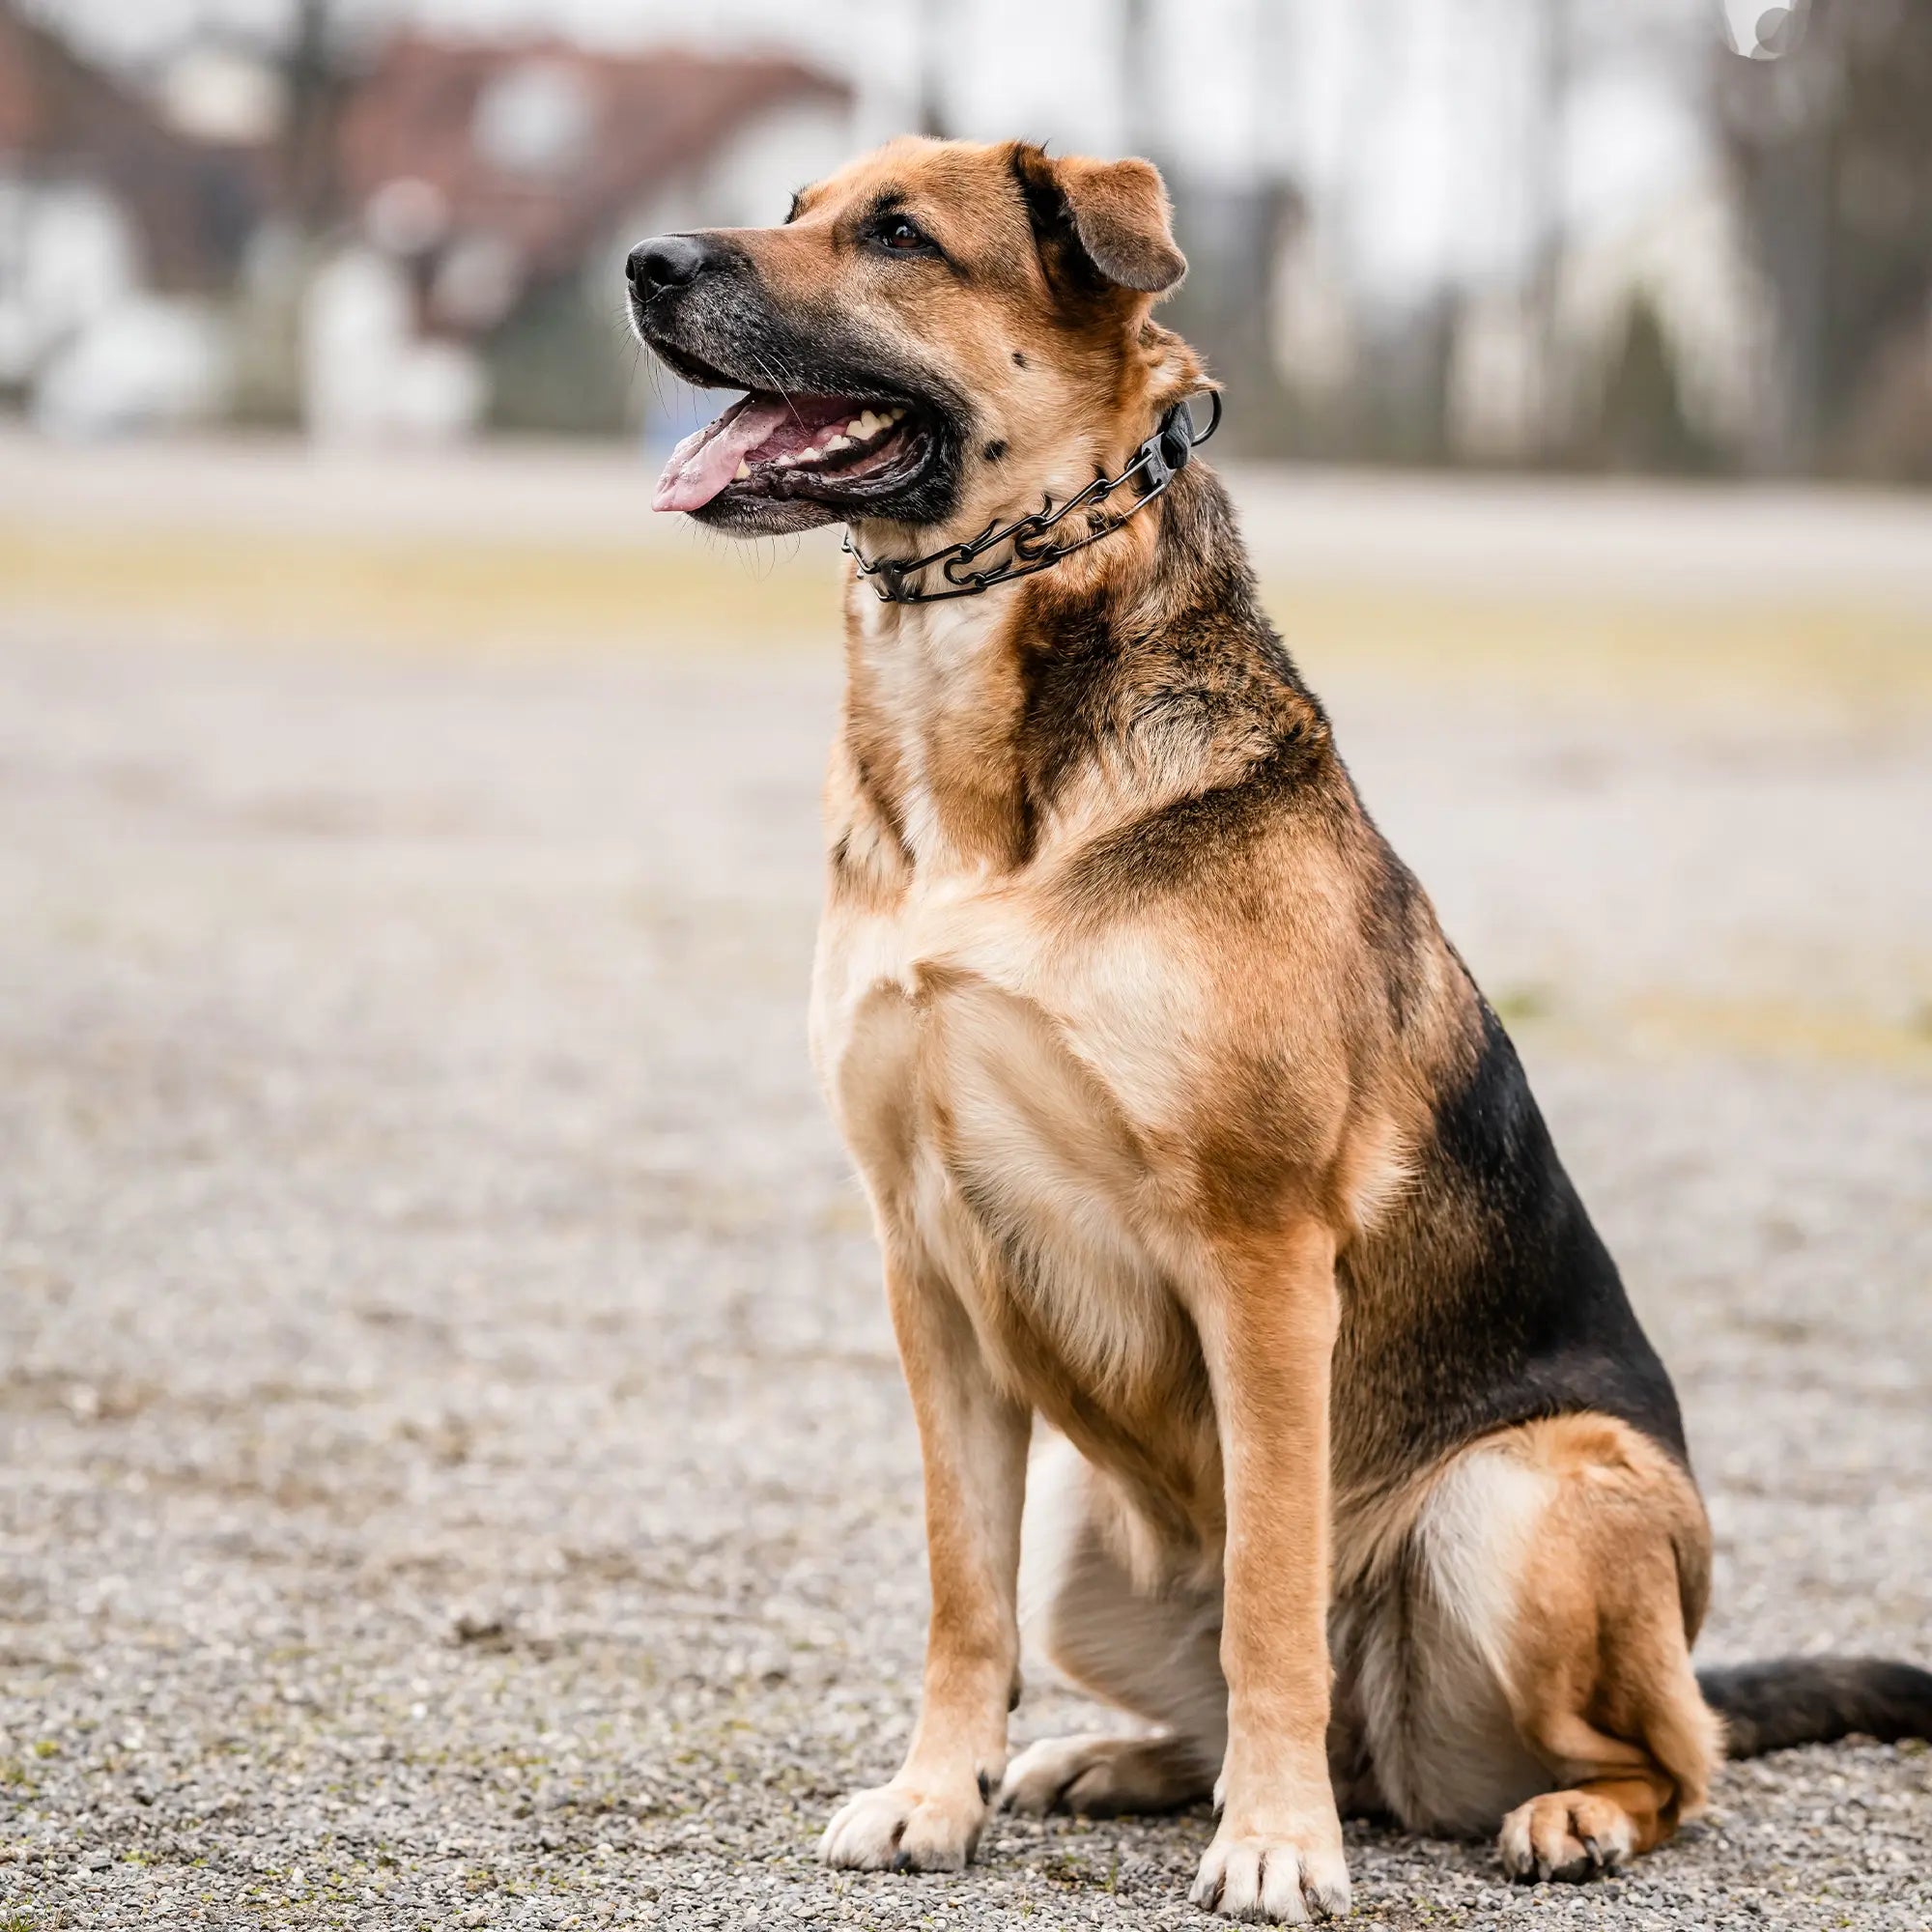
1143	1072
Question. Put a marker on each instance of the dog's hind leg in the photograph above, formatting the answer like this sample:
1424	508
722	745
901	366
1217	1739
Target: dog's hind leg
1612	1596
1526	1662
1153	1653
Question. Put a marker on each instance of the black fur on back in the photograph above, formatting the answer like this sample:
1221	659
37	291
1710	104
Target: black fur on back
1815	1700
1510	1306
1542	1326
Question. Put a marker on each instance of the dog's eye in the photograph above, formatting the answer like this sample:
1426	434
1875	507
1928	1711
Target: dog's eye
902	237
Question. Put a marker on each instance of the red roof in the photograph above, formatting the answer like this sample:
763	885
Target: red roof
22	120
647	118
193	202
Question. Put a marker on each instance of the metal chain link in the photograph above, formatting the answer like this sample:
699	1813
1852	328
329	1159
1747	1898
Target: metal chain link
1163	456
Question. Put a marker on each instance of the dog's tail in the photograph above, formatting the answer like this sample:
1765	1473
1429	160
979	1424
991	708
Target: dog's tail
1813	1700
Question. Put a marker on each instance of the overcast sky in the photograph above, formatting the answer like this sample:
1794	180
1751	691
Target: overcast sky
1410	122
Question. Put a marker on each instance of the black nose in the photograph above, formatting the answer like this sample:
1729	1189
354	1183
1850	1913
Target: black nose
666	261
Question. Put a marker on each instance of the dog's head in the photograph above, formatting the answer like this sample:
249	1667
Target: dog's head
937	331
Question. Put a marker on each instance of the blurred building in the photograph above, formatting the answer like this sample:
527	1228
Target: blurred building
119	238
1525	232
491	192
445	258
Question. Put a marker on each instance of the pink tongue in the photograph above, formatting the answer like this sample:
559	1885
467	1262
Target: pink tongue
708	459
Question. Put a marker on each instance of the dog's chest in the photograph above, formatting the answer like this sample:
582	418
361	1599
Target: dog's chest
995	1082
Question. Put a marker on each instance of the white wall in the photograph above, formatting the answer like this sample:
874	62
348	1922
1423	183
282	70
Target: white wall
66	257
366	378
91	349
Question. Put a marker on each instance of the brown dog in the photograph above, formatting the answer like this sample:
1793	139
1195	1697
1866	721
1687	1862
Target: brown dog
1184	1126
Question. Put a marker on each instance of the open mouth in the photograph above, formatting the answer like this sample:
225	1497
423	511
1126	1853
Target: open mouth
843	451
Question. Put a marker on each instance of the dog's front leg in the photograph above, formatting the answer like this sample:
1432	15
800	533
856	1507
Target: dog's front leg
973	1439
1268	1334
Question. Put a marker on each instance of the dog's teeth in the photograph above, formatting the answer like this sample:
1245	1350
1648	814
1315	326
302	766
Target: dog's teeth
832	443
859	426
784	462
807	456
744	470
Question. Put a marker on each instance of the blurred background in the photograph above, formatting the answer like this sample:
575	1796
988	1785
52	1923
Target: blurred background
454	1467
1671	236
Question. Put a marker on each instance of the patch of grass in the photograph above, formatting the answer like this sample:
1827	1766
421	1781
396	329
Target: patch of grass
1516	1006
431	590
1779	1029
1695	654
442	590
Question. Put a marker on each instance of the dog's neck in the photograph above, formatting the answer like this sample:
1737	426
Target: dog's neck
979	732
933	691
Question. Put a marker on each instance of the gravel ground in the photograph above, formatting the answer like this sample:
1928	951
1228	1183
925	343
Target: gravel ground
454	1467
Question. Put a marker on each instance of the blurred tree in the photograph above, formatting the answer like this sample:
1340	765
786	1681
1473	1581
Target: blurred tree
556	365
1235	227
315	76
1405	416
310	53
1831	141
1641	420
1554	29
931	24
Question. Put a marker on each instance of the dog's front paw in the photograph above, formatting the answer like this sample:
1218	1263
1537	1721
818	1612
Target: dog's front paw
1274	1877
902	1828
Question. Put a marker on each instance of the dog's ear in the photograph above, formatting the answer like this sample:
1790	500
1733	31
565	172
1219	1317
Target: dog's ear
1110	218
1121	214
